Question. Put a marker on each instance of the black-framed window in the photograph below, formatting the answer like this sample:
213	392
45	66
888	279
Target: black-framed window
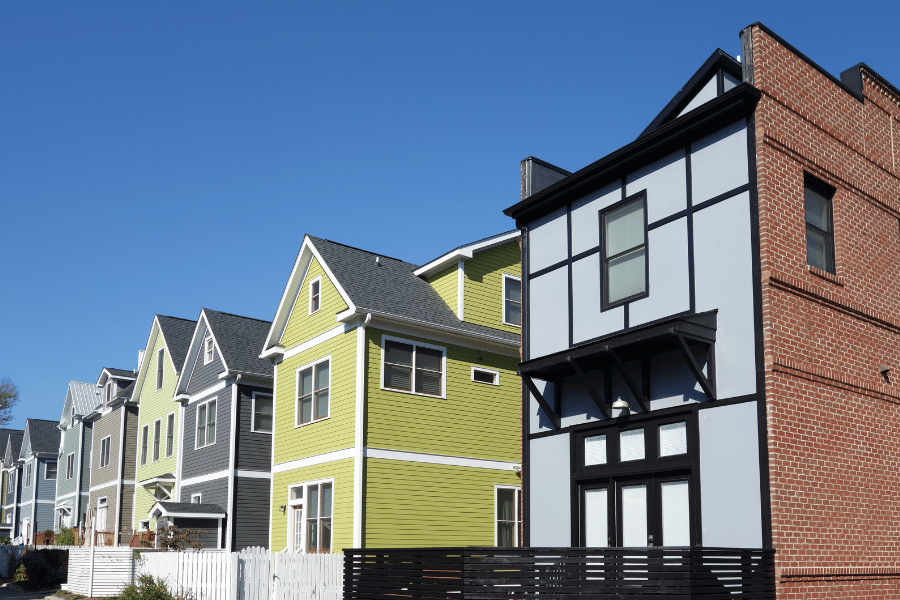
623	231
819	223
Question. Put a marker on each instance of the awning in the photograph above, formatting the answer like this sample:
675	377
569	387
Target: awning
186	510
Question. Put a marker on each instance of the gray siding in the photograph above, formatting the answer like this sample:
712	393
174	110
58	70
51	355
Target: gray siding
107	425
203	376
43	517
46	488
131	426
86	468
254	450
28	491
213	492
112	505
70	439
11	497
208	527
200	461
550	495
125	523
251	512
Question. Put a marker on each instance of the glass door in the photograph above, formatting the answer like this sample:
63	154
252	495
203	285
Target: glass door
633	515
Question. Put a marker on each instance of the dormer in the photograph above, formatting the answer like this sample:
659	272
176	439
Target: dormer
111	383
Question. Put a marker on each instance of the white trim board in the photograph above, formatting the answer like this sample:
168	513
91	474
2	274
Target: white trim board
252	474
319	339
439	459
310	461
204	478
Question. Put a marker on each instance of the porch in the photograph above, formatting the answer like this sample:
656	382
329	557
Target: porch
559	573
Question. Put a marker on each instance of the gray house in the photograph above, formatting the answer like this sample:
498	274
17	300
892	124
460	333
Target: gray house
73	482
9	482
224	475
114	442
38	454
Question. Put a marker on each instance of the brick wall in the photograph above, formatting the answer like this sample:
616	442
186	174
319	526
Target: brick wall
833	419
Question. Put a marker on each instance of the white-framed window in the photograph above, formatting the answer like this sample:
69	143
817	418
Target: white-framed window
206	424
506	515
104	451
412	367
512	300
110	390
196	498
313	391
8	518
209	350
144	525
160	355
145	435
170	434
50	470
315	295
10	482
157	438
261	413
482	375
70	465
310	523
28	475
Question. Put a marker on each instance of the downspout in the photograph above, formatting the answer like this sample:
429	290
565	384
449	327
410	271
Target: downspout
34	482
232	460
358	431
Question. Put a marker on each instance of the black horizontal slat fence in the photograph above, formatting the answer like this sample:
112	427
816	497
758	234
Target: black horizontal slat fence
559	573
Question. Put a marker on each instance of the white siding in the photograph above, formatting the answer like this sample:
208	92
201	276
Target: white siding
586	216
550	496
669	275
706	93
719	162
548	298
548	240
666	183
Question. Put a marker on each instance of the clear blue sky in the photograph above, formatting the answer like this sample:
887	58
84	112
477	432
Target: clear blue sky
160	157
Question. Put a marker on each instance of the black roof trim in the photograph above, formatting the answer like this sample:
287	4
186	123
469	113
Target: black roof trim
718	60
852	78
728	107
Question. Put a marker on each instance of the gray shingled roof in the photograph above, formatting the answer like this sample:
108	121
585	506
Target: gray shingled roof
4	438
15	444
239	339
190	507
85	397
393	288
125	394
178	334
44	435
121	372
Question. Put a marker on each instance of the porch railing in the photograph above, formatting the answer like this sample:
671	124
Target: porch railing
559	573
143	539
104	538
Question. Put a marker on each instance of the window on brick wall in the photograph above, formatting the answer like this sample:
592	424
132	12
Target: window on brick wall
819	223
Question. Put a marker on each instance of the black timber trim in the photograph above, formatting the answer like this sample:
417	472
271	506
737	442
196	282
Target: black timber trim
708	386
718	61
550	411
591	387
731	106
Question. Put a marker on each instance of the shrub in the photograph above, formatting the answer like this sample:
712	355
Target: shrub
66	537
148	588
5	541
36	573
21	575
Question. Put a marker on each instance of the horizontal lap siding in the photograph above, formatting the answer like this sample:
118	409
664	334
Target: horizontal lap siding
86	455
212	492
69	446
208	530
254	450
203	376
46	488
484	285
474	420
251	512
142	504
209	459
125	526
107	425
333	433
301	325
131	432
446	284
342	473
28	491
112	504
418	505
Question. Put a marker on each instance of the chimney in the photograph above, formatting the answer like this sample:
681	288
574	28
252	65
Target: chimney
537	175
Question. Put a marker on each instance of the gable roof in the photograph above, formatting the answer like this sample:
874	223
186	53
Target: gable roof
239	339
4	437
109	372
466	251
13	447
176	334
40	436
85	397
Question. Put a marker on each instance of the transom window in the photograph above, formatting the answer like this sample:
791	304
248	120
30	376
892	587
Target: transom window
413	367
262	413
160	355
313	390
488	376
170	434
507	513
311	517
206	424
512	300
104	451
624	249
315	289
208	350
70	466
819	223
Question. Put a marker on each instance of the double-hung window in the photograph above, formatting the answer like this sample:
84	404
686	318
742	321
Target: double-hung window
157	434
413	367
313	391
262	413
206	424
70	466
315	295
311	517
624	251
507	516
104	451
819	224
170	434
50	470
512	300
10	482
145	433
28	475
208	350
160	355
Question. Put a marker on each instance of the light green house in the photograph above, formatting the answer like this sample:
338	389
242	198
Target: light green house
396	399
158	426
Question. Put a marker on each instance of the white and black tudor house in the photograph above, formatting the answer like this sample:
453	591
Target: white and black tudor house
642	339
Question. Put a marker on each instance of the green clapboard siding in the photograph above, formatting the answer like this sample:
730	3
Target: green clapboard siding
474	420
333	433
342	473
446	284
484	285
154	404
301	325
415	504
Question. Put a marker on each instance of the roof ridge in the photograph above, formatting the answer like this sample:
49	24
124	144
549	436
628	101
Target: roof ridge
238	316
360	249
177	318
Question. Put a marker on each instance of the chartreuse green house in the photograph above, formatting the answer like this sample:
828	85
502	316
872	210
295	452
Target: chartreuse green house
396	417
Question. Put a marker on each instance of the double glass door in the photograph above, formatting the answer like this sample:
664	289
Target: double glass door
647	510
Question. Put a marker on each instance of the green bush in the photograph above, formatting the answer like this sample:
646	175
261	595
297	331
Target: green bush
148	588
66	537
5	541
36	573
21	575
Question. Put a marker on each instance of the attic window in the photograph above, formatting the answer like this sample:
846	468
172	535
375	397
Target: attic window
208	350
485	376
315	288
159	367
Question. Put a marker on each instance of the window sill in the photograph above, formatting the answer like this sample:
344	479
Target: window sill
387	389
313	422
825	275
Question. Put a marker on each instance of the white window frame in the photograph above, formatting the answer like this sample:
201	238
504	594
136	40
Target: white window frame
10	482
207	443
70	465
209	349
160	371
103	503
292	504
144	525
270	397
318	280
47	468
108	440
157	440
28	475
517	503
503	300
443	394
311	365
144	444
496	375
170	434
198	496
